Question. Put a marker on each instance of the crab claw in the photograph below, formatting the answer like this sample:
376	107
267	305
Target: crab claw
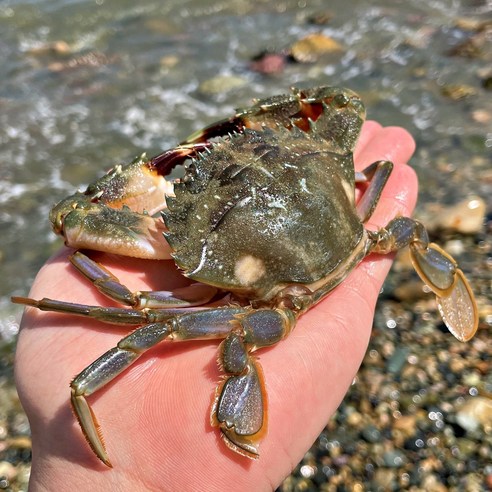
455	298
115	213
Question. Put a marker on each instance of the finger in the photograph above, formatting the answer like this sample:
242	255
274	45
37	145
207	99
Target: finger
390	143
369	130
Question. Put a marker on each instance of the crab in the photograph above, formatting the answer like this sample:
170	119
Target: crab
266	224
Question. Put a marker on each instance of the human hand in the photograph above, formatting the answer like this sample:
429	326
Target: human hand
155	416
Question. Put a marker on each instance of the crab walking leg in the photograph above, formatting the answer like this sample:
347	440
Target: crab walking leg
377	175
111	315
438	270
239	409
193	295
208	324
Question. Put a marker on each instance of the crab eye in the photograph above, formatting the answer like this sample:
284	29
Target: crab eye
341	100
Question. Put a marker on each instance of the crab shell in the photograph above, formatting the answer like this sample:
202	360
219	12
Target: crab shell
268	208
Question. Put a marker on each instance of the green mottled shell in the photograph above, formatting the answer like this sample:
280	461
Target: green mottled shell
263	209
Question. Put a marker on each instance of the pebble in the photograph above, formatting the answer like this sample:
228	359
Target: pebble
398	360
431	484
455	247
321	18
458	91
394	458
406	424
384	479
476	412
410	291
20	442
354	419
465	217
169	61
487	83
268	63
7	471
371	433
481	116
55	48
478	44
220	84
488	480
314	46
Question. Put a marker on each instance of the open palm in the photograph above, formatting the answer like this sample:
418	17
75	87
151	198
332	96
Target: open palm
155	416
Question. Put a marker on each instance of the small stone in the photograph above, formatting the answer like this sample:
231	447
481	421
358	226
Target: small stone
92	59
457	365
268	63
483	366
432	484
421	38
468	23
481	116
488	481
354	419
384	479
410	291
7	470
406	424
487	83
394	458
169	61
466	217
467	447
371	433
312	47
398	360
475	412
468	49
471	379
458	91
455	247
473	482
321	18
54	48
162	26
221	83
20	442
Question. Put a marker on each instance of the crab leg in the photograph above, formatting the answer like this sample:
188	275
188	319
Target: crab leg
377	175
214	323
437	269
239	409
111	315
193	295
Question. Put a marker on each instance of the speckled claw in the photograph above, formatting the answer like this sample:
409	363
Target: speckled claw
455	298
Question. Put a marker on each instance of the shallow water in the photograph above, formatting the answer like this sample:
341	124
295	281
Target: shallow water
124	78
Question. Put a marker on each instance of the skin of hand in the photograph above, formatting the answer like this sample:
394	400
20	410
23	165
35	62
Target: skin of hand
155	417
